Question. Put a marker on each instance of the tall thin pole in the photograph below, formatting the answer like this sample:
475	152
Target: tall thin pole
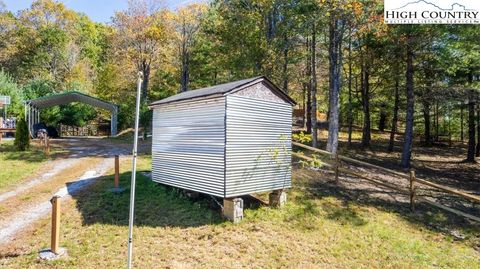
134	172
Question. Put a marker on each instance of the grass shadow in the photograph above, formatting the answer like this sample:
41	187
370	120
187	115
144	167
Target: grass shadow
425	216
155	205
344	214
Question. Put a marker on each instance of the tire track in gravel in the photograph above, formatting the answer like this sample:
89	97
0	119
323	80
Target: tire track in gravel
58	166
36	211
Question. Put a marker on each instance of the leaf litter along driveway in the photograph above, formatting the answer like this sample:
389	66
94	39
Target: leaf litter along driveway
87	160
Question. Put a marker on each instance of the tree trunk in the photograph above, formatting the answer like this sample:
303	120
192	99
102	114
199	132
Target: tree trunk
366	134
437	122
426	118
462	138
308	86
396	105
408	137
185	73
350	105
471	127
478	131
146	79
185	61
426	109
304	97
335	62
285	65
314	85
383	119
309	109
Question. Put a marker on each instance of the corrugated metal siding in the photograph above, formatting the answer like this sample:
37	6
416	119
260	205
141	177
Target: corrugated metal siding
258	147
188	145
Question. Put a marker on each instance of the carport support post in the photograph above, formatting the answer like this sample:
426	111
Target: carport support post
113	122
28	120
33	117
412	190
55	224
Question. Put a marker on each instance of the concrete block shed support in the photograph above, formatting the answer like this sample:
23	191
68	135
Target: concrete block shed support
277	198
233	209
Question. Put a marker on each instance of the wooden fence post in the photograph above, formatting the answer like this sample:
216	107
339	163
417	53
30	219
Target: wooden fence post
117	171
47	145
337	164
55	224
412	189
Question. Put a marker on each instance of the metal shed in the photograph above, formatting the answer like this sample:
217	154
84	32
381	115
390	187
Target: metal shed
227	140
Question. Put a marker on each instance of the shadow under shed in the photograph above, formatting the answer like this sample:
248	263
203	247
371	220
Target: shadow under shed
155	205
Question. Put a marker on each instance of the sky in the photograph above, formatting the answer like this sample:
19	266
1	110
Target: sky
97	10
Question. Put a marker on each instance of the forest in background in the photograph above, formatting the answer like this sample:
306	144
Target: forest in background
337	57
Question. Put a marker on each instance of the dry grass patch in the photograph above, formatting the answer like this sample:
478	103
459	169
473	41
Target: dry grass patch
18	165
44	191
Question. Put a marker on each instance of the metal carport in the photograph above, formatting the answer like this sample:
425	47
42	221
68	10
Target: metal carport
34	106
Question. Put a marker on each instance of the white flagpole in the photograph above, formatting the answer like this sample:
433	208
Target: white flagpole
134	172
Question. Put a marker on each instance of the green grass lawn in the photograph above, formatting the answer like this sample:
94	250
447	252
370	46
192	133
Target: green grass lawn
173	231
16	165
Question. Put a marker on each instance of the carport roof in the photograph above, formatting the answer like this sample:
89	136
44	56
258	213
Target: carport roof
69	97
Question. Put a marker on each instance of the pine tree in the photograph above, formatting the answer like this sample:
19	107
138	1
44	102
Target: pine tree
22	138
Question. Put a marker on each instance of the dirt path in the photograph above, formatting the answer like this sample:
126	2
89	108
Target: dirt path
88	159
57	167
23	218
76	149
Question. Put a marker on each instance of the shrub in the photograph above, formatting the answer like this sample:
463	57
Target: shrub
22	137
302	137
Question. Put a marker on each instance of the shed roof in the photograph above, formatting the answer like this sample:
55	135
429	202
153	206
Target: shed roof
68	97
224	89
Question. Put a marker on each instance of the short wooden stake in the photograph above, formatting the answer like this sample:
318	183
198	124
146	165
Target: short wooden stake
116	188
412	190
336	166
117	171
41	140
55	224
47	145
